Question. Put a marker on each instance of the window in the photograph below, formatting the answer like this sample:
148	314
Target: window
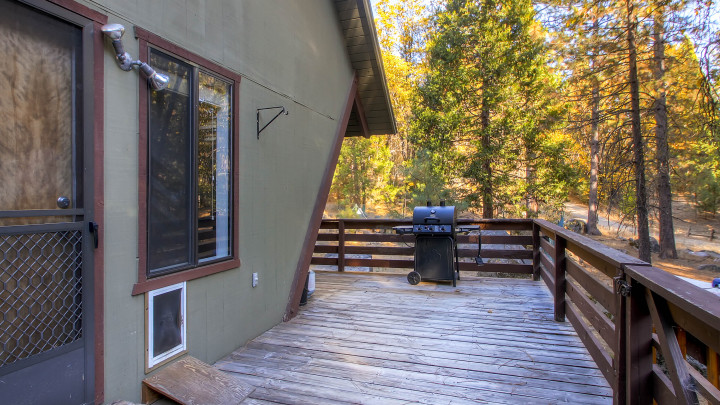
189	196
188	178
166	336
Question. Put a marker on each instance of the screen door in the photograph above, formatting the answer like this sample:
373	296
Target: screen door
46	233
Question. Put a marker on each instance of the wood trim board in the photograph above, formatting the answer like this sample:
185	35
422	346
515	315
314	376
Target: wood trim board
99	208
82	10
316	218
145	284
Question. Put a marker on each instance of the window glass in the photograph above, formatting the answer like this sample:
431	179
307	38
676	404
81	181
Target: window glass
189	168
213	173
170	202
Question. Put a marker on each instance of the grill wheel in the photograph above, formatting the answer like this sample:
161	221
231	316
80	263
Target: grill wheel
413	277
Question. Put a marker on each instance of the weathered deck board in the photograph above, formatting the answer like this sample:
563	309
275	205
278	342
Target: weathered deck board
375	339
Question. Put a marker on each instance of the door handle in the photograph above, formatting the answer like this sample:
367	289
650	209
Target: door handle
93	228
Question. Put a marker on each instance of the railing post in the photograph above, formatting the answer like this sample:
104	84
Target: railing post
536	250
681	337
713	367
341	245
622	326
634	358
560	265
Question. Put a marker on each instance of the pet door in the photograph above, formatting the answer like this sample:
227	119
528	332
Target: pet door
165	316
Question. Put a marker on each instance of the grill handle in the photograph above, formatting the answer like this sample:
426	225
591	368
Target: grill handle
432	219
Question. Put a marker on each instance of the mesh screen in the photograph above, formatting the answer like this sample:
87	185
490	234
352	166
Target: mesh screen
40	293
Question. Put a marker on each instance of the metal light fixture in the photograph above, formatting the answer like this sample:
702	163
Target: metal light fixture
125	61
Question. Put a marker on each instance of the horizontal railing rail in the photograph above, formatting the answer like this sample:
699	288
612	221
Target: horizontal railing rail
654	336
342	240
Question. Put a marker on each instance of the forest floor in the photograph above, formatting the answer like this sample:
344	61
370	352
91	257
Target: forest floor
697	245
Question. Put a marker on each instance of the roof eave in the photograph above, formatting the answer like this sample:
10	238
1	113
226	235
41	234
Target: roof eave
356	20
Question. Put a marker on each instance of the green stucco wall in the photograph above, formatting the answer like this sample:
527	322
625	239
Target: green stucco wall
289	53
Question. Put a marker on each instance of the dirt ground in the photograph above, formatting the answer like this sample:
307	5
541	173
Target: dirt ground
695	238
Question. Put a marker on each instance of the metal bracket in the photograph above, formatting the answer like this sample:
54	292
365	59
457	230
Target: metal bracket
622	287
282	110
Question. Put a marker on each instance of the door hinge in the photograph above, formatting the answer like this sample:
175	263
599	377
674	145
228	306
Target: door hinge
93	228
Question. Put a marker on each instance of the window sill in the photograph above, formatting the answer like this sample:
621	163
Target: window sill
146	285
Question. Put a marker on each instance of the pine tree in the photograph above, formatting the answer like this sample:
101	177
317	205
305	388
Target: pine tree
486	102
662	151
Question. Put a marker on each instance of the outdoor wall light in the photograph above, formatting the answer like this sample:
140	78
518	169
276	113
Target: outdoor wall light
125	61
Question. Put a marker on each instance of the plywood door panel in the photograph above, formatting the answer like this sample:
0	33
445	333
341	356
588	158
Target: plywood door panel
36	112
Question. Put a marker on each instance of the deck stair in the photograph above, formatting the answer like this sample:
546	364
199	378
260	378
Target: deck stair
189	381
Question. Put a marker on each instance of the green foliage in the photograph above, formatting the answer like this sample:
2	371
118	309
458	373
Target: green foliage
485	104
699	175
696	149
363	175
489	103
425	179
708	197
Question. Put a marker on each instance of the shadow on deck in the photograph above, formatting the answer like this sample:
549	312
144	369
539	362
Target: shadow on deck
373	338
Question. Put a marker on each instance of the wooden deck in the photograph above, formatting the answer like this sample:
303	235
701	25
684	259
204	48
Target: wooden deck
375	339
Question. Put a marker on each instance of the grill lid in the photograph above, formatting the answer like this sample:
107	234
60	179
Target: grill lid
431	219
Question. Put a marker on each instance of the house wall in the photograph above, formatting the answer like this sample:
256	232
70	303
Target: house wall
288	53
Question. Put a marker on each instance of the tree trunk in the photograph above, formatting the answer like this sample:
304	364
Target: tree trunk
662	153
592	221
641	207
531	204
487	169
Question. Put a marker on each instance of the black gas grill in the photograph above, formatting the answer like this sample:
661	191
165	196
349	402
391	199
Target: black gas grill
436	255
434	220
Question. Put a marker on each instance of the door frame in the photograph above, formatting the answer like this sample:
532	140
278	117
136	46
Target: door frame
90	21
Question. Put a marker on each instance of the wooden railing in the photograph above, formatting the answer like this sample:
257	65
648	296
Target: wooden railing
638	322
376	237
629	316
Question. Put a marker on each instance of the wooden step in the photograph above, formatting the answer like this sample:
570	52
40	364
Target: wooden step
189	381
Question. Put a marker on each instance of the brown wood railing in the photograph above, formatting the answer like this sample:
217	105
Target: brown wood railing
638	322
375	237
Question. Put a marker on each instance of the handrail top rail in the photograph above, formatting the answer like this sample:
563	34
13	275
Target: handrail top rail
409	220
681	293
700	303
612	256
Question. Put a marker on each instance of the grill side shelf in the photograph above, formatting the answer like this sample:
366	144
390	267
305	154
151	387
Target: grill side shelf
403	229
